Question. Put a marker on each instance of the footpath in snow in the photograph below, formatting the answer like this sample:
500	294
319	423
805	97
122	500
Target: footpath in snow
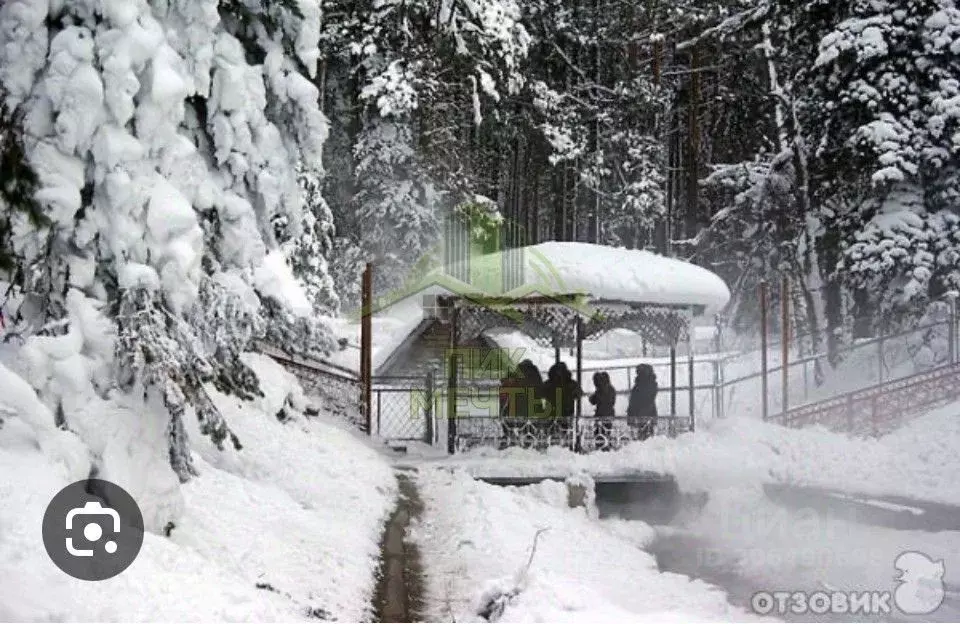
476	542
288	528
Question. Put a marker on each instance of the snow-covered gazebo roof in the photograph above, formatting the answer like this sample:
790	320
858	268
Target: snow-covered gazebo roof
604	273
549	289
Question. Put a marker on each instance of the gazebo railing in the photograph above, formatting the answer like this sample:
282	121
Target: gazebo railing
583	434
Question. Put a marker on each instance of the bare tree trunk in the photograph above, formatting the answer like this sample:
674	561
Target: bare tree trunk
692	219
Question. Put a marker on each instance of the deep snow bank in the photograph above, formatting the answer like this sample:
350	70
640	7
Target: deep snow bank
298	512
475	537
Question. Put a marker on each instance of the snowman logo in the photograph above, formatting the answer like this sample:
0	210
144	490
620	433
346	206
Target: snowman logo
921	589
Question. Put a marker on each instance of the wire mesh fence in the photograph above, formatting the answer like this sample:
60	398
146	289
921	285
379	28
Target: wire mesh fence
692	387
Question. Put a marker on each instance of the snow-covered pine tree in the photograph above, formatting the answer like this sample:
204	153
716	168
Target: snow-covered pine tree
164	138
884	94
18	186
308	253
422	76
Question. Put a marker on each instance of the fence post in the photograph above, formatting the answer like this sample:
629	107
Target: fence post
763	347
718	334
880	342
693	399
850	421
575	443
429	428
452	405
718	387
366	346
785	342
452	381
673	380
952	333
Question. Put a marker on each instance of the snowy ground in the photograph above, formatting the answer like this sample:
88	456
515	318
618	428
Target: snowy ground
272	514
476	539
919	460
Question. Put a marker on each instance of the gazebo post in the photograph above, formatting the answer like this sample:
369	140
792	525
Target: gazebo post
673	380
452	381
576	423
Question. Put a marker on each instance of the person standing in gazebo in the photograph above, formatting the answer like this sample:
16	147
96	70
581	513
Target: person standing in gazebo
519	400
561	392
604	397
642	408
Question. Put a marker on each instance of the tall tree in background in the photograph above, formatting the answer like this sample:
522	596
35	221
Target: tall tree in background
884	87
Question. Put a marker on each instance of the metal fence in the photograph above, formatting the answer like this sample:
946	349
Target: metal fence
583	434
402	409
337	388
879	409
866	363
706	386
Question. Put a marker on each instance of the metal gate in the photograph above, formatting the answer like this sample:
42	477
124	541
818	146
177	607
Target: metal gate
403	409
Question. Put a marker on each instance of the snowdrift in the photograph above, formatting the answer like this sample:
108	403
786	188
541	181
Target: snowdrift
919	460
288	528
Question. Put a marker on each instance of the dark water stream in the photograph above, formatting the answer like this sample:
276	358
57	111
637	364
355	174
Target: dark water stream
687	546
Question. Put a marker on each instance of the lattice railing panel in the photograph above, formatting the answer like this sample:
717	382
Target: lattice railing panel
549	325
588	435
879	409
553	324
658	325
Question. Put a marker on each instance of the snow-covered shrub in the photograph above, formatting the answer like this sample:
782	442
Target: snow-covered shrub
18	185
157	351
930	347
163	140
309	252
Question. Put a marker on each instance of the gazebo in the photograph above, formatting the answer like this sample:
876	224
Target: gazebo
560	294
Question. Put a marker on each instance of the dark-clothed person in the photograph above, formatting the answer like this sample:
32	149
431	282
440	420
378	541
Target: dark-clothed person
642	409
604	397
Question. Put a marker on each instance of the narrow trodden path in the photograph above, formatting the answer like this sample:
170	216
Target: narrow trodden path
399	595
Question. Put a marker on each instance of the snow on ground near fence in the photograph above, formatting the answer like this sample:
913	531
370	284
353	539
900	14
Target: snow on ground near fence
475	538
919	460
299	509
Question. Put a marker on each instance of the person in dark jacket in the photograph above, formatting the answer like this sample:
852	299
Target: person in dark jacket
604	397
571	392
519	399
552	392
642	409
532	382
561	391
